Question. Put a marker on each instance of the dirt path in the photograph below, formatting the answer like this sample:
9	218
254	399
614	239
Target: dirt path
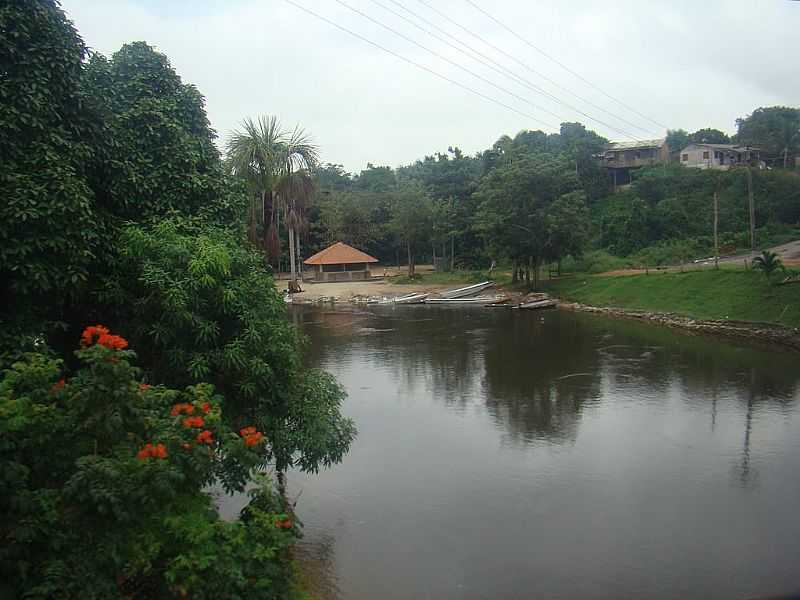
789	253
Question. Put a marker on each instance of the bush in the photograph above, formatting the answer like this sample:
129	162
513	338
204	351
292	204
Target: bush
101	486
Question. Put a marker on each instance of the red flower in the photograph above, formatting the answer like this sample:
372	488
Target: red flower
247	431
90	333
181	408
285	524
150	451
58	386
143	387
193	422
252	440
205	437
97	334
206	407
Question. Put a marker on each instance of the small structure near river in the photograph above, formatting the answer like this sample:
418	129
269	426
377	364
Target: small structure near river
340	262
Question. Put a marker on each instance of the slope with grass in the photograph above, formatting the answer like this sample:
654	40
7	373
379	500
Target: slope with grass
710	294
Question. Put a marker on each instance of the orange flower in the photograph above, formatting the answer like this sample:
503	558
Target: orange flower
205	437
150	451
247	431
252	440
193	422
181	408
144	453
58	386
206	407
143	387
97	334
90	333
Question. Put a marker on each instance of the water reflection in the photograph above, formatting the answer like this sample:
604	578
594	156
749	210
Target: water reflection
511	454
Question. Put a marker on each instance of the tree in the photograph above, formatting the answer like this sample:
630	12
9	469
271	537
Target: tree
767	263
49	228
709	136
567	226
776	130
513	202
264	155
411	220
677	139
203	307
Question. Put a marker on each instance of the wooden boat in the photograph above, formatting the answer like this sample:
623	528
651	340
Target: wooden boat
469	290
536	304
478	300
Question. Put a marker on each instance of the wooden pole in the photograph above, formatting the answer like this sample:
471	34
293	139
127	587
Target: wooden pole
751	203
716	228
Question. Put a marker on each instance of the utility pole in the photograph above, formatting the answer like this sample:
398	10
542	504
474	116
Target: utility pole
716	225
752	209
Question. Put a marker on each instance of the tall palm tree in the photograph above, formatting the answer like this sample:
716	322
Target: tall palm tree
268	157
767	263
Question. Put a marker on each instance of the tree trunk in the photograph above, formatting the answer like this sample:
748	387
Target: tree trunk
528	273
785	155
299	257
452	251
410	260
435	267
514	278
292	266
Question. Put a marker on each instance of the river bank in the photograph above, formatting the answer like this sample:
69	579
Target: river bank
711	295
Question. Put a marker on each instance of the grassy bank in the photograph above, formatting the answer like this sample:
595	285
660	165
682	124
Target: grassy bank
710	294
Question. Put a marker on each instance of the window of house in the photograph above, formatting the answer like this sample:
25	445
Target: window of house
705	155
684	157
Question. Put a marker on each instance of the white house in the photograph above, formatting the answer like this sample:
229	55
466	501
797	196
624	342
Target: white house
718	156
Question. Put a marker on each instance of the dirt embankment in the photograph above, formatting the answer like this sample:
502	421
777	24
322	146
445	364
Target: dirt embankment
761	333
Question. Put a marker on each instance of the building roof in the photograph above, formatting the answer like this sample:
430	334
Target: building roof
639	144
340	253
733	147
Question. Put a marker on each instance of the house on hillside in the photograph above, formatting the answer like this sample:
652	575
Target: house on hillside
340	262
620	157
719	156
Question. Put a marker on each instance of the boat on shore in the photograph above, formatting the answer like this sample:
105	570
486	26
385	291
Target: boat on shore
464	292
479	300
538	304
411	299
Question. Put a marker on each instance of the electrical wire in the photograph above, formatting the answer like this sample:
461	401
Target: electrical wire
418	65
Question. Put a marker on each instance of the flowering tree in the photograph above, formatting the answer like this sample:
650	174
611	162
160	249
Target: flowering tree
102	479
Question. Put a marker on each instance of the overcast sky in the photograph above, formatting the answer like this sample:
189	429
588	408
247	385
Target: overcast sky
681	63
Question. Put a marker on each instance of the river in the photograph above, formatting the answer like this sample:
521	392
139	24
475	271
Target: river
508	454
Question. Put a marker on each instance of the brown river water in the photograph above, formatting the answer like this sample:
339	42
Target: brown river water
507	454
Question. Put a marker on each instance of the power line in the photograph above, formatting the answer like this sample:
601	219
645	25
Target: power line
418	65
447	60
562	65
506	72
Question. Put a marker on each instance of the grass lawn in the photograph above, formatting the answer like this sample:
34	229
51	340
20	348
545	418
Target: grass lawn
709	294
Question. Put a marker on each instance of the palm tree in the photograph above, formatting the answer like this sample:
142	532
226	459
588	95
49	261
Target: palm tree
768	263
274	162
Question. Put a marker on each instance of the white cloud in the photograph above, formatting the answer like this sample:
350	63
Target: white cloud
684	63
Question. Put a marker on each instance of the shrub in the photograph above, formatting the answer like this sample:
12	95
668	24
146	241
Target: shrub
102	479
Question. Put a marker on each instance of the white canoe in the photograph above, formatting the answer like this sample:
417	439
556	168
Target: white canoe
466	291
539	304
480	300
411	299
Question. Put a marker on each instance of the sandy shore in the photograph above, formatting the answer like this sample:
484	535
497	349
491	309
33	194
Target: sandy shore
345	291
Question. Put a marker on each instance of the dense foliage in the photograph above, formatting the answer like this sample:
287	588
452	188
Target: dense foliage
540	197
101	486
118	209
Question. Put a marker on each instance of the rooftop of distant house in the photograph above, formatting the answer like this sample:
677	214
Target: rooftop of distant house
635	145
340	253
